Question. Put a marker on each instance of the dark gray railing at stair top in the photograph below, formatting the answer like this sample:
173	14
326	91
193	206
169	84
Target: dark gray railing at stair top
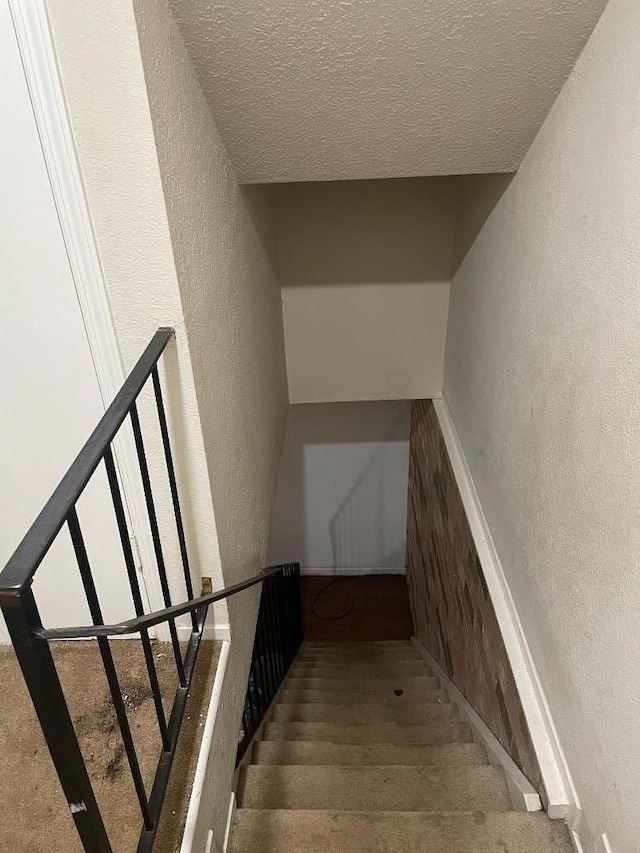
31	639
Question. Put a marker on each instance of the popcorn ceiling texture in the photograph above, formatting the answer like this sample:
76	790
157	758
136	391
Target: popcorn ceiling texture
452	612
316	90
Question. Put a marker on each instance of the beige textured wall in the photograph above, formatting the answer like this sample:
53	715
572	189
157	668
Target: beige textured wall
102	76
542	378
223	248
365	267
186	246
477	195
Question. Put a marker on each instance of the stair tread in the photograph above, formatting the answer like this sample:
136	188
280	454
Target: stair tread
316	831
390	787
319	752
360	654
382	683
350	644
348	670
364	712
435	732
349	696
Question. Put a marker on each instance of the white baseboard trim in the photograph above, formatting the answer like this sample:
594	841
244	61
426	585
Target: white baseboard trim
563	801
331	571
210	632
233	805
193	811
524	796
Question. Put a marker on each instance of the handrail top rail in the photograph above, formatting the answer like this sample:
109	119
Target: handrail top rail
19	571
148	620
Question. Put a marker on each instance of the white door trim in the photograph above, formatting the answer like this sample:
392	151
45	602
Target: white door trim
35	43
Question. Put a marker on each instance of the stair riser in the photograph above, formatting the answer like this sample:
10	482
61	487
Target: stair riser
358	755
354	697
373	788
409	832
436	733
346	670
389	654
368	645
362	714
351	660
426	682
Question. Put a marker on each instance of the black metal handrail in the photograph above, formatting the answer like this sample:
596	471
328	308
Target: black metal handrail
31	551
31	639
149	620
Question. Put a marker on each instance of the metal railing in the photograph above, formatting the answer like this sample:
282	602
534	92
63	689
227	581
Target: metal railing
277	641
31	639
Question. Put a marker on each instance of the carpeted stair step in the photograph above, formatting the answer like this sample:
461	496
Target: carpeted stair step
369	713
387	832
357	660
389	788
370	657
345	696
356	644
359	670
315	752
401	682
433	733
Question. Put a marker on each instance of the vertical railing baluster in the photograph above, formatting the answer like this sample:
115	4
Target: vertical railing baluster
174	488
36	662
271	635
82	558
276	593
277	641
251	693
135	592
155	535
268	667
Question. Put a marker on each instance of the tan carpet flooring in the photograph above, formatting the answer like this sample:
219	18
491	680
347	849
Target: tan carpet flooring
34	817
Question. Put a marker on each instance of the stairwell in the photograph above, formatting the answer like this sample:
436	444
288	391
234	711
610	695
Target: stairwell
364	753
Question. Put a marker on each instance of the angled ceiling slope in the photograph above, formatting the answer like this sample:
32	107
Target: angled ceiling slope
341	89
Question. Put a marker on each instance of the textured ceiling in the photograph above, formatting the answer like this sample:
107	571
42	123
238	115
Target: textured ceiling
331	89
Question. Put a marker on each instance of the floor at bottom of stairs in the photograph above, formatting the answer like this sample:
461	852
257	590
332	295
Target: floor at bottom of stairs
364	754
34	816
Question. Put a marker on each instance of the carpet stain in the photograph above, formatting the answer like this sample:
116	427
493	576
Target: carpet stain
35	815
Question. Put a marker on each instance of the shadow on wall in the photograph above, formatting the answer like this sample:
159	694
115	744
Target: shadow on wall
358	529
342	488
366	232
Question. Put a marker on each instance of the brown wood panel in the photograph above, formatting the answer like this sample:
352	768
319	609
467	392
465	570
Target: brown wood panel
365	607
453	613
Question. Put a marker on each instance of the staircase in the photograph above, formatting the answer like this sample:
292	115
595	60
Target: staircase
364	753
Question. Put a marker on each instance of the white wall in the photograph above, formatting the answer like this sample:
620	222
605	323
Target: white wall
342	489
224	246
365	269
543	380
50	399
477	195
103	80
183	244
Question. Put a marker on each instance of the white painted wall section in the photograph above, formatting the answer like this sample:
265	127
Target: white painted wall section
542	379
103	81
341	501
365	269
51	399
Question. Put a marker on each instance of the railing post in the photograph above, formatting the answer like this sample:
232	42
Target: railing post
39	671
